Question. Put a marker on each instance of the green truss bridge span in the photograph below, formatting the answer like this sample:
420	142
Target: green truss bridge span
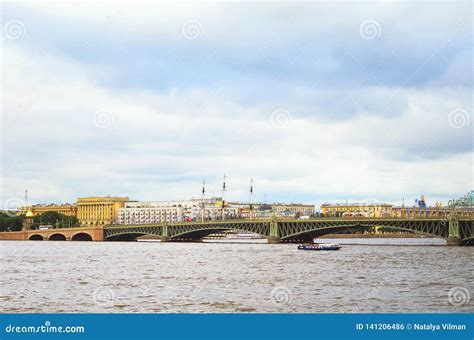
457	231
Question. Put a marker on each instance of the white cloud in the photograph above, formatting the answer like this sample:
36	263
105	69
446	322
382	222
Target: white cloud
162	143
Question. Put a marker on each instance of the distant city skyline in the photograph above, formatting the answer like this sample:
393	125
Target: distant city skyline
318	102
372	200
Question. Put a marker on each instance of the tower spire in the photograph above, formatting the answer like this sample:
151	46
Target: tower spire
202	200
251	199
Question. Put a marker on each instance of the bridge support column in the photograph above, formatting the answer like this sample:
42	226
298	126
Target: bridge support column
454	238
274	236
165	234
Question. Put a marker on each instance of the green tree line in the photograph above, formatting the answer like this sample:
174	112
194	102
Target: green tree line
57	220
10	223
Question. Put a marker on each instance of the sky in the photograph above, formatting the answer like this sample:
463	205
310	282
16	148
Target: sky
317	102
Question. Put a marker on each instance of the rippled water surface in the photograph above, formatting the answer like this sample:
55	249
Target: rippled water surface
199	277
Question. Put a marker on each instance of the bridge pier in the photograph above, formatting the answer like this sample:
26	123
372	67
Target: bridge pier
452	241
274	236
454	238
273	239
165	233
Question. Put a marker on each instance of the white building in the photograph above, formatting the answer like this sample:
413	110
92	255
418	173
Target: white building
147	212
174	211
209	209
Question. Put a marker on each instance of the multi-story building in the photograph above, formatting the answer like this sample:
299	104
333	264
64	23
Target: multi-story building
414	211
175	211
99	210
38	209
148	213
262	210
292	209
216	211
357	209
462	207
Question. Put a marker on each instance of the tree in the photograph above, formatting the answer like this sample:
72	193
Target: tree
10	223
55	219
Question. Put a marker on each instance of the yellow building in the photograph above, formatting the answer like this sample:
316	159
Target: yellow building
293	208
406	212
38	209
99	210
357	210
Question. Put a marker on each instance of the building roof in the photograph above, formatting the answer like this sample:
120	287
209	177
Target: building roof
102	199
334	205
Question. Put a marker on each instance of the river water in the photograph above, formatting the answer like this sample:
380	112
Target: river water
170	277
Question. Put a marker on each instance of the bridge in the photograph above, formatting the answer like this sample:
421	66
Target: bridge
57	234
457	231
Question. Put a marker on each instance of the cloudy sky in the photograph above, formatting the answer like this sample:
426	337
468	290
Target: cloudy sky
316	101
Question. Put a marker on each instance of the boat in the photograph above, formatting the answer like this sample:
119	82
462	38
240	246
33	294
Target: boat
319	246
234	237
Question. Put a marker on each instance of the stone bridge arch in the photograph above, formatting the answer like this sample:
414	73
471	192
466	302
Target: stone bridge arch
57	237
81	236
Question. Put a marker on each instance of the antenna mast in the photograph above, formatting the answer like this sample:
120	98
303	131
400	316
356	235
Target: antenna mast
223	200
202	203
251	199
